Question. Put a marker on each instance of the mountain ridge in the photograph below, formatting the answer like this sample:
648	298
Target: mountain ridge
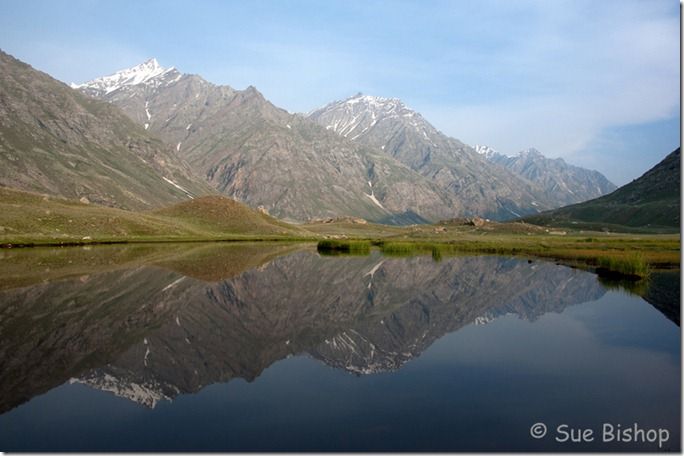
57	141
651	201
261	155
569	183
481	187
383	162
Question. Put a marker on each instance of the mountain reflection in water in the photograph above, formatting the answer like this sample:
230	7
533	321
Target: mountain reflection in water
152	324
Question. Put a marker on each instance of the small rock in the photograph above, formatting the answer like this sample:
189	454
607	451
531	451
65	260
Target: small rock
475	221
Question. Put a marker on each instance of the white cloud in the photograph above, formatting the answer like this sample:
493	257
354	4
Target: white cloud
555	75
581	69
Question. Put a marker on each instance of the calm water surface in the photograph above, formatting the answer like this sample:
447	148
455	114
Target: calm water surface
263	347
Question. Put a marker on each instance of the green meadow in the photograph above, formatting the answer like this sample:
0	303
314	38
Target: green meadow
28	219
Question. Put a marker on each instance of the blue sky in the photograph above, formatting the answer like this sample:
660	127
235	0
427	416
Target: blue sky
594	82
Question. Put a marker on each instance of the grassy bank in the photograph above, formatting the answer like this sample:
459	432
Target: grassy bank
629	257
28	219
622	257
336	246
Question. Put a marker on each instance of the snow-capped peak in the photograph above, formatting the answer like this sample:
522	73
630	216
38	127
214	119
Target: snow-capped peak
358	114
140	74
485	150
374	101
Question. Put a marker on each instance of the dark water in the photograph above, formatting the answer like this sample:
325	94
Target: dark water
246	347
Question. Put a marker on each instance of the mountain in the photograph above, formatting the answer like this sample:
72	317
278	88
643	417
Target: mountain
652	202
562	182
148	73
366	156
57	141
261	155
481	187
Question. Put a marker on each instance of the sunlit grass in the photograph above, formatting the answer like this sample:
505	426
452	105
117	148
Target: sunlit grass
344	246
630	258
399	248
631	265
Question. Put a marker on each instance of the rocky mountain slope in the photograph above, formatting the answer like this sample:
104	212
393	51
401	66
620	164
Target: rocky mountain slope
261	155
483	188
57	141
367	156
388	125
651	202
564	183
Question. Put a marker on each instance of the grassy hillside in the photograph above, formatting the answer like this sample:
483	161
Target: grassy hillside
650	203
225	215
34	219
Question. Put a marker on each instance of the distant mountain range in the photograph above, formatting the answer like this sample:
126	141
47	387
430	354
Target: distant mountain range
477	181
259	154
565	183
652	202
366	156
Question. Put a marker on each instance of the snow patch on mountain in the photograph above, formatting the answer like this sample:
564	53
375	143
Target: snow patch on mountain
375	200
148	72
488	152
173	284
484	150
190	195
357	115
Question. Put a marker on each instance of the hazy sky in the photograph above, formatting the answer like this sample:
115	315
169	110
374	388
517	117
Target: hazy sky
594	82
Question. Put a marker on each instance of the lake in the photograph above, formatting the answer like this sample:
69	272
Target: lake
276	347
